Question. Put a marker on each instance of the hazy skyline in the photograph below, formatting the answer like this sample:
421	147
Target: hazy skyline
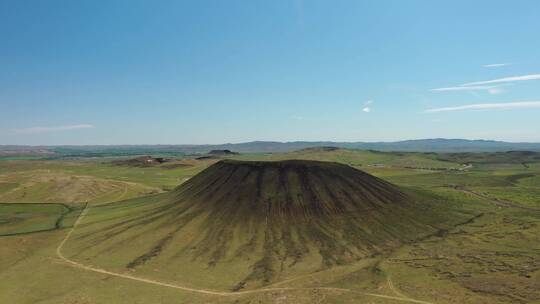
194	72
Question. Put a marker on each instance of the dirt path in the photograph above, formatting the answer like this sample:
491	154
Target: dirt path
123	194
399	297
496	201
394	289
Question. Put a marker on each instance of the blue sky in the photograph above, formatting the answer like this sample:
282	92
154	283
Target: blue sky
172	72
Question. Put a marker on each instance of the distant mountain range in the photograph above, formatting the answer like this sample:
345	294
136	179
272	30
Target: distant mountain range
421	145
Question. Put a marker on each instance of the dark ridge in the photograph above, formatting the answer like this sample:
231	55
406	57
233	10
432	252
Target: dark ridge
141	161
206	157
222	152
320	149
293	189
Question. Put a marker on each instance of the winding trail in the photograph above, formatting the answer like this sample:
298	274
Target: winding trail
394	289
495	201
123	194
399	296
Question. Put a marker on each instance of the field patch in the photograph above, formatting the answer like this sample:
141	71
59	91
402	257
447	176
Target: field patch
4	186
27	218
52	186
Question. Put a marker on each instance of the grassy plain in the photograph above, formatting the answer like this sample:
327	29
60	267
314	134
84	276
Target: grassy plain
491	258
19	219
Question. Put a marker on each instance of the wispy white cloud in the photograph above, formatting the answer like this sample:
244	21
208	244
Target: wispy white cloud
471	88
367	108
489	106
495	90
495	65
504	80
38	130
491	86
489	89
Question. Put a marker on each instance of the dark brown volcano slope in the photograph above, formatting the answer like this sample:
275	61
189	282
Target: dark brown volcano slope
259	222
291	190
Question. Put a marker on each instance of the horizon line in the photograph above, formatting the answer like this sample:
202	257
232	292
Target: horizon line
271	141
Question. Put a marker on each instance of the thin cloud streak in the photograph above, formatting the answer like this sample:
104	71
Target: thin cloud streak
297	117
489	106
39	130
495	65
504	80
490	89
470	88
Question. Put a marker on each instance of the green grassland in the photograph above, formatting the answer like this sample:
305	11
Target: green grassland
228	239
18	218
360	158
490	253
95	181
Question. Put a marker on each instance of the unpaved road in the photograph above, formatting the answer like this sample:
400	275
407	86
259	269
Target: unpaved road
123	194
399	296
394	289
496	201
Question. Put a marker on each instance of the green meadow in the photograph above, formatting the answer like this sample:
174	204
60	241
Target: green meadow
483	244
